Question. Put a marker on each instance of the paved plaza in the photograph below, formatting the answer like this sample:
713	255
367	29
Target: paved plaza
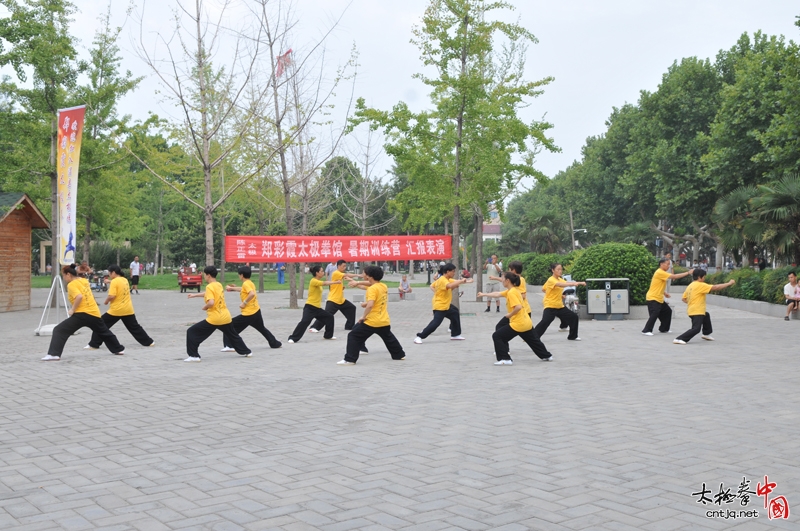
617	433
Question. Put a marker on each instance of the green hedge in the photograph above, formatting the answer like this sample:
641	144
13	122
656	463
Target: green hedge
617	260
753	285
536	267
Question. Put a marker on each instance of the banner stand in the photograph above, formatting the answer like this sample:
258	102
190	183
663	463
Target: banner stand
47	329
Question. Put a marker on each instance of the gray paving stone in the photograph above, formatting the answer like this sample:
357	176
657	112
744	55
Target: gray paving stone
615	434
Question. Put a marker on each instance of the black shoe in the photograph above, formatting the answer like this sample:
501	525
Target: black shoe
498	309
488	309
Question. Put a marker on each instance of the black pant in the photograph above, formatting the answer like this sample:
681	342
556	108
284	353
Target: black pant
309	314
698	322
660	311
567	317
130	323
361	332
438	316
240	322
347	308
75	322
199	332
504	334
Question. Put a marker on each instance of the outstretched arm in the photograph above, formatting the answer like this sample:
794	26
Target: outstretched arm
718	287
456	283
492	294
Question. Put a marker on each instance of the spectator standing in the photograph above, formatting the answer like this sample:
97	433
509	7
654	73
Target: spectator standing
136	270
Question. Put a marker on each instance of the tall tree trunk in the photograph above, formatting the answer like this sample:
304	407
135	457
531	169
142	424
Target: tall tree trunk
222	250
479	253
261	277
87	238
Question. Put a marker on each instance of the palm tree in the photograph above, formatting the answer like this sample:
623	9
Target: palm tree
739	226
545	230
777	207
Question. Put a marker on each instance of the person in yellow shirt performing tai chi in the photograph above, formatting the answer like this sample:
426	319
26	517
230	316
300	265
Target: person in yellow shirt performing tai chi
218	318
84	312
375	319
695	297
657	307
119	296
313	307
336	301
554	304
442	304
515	323
251	311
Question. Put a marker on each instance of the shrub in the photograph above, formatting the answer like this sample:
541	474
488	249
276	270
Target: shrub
773	282
744	287
536	267
685	281
617	260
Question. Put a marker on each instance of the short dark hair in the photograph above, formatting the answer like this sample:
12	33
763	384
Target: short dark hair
554	265
663	260
114	268
512	277
446	267
791	273
376	272
210	270
315	269
340	262
245	271
69	270
516	267
698	273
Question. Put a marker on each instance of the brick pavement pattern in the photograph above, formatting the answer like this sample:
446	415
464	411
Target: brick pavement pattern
615	434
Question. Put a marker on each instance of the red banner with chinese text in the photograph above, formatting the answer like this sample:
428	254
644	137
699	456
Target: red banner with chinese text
257	249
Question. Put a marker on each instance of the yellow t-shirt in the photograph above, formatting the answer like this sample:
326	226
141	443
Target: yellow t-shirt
442	297
695	295
80	286
217	314
552	295
121	305
315	293
336	291
521	321
379	314
247	288
523	289
657	286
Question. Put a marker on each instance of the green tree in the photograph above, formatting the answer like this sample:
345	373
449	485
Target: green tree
35	40
472	147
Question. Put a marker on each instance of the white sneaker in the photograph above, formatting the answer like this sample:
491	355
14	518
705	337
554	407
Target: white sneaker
291	341
248	355
89	347
547	359
458	338
504	362
330	338
448	330
119	353
418	340
667	332
576	339
679	341
51	358
647	333
227	349
191	359
400	359
345	362
313	330
363	352
151	344
708	338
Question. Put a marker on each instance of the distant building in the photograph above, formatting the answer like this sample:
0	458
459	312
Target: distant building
491	228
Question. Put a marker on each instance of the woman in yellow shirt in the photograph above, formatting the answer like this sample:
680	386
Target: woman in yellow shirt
313	307
517	322
554	304
375	319
84	312
251	311
442	307
119	296
218	318
695	297
336	301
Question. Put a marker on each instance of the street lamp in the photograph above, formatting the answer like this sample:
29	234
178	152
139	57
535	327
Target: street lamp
573	236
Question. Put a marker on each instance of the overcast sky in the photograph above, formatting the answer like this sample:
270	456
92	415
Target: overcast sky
601	53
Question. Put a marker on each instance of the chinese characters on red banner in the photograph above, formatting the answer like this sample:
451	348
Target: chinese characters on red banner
332	248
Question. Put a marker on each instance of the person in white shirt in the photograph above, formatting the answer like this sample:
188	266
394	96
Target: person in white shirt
493	269
790	293
136	270
329	270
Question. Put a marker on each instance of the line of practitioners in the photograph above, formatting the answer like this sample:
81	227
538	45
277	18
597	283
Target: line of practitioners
517	321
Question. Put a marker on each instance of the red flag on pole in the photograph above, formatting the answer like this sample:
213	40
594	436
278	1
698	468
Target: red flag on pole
283	61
